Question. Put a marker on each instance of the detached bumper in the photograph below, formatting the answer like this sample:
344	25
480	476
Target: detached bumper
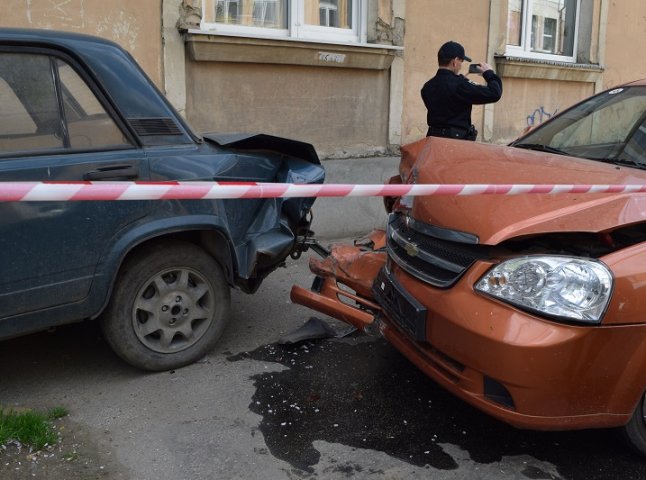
342	288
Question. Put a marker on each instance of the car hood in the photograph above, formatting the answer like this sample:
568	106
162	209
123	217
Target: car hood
495	218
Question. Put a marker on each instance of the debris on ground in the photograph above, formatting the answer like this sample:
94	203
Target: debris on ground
313	329
74	457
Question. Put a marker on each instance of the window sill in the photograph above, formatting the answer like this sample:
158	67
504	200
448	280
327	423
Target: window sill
515	67
210	47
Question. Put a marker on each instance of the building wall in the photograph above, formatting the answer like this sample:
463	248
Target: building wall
463	21
535	91
335	109
336	96
625	33
134	25
352	110
528	102
343	109
531	93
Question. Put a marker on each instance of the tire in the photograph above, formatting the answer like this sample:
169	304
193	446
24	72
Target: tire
634	432
169	307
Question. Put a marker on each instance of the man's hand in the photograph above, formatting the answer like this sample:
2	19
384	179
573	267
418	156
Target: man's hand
484	67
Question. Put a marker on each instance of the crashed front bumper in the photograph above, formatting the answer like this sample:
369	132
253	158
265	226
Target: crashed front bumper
522	369
343	285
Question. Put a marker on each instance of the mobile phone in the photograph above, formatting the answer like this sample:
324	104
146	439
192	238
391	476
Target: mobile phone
474	68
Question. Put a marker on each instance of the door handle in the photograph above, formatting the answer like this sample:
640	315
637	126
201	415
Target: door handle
113	172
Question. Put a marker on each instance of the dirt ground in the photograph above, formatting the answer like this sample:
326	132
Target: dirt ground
76	456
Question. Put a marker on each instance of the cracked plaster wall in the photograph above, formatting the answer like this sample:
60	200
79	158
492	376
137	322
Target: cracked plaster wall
125	22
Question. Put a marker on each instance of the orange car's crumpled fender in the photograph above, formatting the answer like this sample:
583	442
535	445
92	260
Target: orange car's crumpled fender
343	286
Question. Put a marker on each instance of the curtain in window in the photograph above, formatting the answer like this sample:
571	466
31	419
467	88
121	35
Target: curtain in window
256	13
329	13
551	25
514	22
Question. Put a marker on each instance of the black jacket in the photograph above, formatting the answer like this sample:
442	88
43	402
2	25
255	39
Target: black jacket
449	97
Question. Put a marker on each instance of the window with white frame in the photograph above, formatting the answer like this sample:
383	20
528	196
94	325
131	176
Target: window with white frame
329	20
269	14
543	29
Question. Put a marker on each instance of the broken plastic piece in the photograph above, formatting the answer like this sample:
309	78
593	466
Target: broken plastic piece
313	329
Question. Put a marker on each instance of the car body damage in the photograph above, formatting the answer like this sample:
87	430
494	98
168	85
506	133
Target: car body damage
497	219
261	232
344	278
281	225
528	307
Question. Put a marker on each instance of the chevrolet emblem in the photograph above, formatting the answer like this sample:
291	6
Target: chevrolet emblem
411	249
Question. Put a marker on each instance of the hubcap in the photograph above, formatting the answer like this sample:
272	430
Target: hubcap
173	310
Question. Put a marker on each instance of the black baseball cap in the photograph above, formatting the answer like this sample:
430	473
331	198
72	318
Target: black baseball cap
451	50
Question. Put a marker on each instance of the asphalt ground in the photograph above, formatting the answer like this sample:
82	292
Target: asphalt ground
349	407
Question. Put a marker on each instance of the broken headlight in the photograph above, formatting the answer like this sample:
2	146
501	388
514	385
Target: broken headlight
566	287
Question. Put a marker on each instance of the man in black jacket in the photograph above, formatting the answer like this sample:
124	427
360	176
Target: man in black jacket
449	96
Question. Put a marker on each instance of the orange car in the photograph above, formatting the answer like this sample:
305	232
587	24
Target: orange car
530	307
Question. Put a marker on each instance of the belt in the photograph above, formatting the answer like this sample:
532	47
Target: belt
449	132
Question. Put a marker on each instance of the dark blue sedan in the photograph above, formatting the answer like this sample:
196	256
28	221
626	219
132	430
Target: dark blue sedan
156	273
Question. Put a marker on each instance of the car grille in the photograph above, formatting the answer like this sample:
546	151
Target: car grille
434	255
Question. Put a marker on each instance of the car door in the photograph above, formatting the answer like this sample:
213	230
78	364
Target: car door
56	126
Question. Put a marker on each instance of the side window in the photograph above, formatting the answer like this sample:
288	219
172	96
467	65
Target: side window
29	113
32	88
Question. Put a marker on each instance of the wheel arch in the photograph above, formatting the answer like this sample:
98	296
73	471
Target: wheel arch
209	236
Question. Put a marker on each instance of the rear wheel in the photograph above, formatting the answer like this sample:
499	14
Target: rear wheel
169	307
635	430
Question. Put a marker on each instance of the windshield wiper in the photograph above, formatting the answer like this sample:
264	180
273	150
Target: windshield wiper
540	147
626	162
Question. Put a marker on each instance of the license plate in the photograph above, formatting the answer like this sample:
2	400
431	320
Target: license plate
400	306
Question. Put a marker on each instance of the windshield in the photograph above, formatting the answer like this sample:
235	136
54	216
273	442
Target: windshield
610	126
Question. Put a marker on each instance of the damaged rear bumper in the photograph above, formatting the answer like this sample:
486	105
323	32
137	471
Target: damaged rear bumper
342	288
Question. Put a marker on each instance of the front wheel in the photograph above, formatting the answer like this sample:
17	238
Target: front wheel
169	307
634	432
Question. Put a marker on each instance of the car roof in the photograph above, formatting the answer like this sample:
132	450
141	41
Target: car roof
636	83
74	42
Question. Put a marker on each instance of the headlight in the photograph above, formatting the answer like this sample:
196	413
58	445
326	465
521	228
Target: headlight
567	287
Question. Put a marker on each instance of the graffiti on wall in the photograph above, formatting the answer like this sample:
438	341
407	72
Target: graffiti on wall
56	13
121	27
538	116
118	24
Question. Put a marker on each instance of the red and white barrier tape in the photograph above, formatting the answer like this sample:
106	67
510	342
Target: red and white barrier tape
72	191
